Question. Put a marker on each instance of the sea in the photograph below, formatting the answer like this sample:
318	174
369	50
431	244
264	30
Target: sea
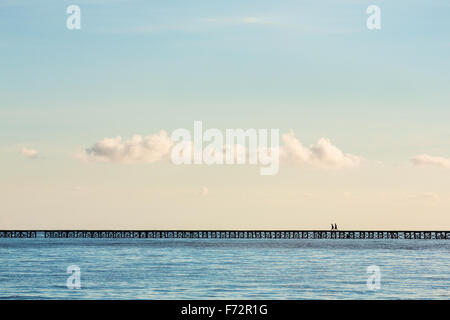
291	269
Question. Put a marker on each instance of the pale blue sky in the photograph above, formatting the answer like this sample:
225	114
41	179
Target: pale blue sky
137	67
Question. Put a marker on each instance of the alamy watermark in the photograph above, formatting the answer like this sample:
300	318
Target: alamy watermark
73	22
374	280
374	20
74	280
236	146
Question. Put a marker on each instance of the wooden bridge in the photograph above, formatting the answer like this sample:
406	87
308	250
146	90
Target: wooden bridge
227	234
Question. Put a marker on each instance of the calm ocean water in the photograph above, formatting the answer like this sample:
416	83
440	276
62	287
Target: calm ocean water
223	269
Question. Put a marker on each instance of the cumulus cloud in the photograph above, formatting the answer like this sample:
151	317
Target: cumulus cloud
159	146
148	149
29	153
427	160
323	154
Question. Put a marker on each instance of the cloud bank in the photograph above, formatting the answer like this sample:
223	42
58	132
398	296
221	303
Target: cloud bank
323	154
157	147
148	149
430	161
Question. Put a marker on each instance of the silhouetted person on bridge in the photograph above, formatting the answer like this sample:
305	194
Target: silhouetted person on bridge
335	226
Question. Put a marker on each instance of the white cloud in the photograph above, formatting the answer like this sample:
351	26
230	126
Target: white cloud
323	154
29	153
148	149
427	160
158	147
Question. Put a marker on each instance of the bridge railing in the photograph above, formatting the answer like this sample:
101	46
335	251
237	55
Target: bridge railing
227	234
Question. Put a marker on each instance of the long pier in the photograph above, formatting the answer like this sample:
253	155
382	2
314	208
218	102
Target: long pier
227	234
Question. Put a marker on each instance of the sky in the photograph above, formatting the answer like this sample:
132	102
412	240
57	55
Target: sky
363	114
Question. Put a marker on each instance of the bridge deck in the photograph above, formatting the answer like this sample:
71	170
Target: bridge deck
227	234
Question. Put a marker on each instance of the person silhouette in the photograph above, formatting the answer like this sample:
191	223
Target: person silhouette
335	226
332	227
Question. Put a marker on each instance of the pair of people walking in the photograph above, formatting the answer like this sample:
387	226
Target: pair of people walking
334	227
